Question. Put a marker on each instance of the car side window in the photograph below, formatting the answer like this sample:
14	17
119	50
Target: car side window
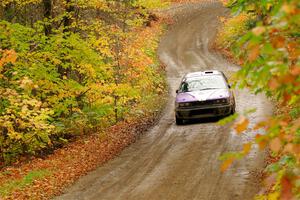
184	87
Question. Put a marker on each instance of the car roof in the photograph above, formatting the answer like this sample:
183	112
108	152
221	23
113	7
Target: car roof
203	73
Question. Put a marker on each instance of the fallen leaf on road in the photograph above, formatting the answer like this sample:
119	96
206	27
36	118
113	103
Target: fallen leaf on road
241	125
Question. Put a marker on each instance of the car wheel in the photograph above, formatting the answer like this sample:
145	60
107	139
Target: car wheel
179	121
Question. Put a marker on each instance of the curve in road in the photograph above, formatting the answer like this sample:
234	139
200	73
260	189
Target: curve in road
181	162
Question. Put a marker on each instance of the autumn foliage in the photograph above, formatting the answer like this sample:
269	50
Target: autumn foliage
264	38
69	68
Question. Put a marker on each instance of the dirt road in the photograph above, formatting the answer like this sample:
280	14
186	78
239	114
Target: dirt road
181	162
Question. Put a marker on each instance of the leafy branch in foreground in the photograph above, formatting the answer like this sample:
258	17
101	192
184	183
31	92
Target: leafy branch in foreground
267	46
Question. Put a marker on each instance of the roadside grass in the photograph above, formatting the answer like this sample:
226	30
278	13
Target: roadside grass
13	185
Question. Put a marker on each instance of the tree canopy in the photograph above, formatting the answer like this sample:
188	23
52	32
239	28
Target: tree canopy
72	67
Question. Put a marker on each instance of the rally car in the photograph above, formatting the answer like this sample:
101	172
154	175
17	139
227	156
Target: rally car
203	94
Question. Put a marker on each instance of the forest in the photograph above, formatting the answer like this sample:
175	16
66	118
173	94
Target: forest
73	67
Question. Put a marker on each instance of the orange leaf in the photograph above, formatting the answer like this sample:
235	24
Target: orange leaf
278	41
262	145
295	70
284	123
288	148
286	190
273	83
9	56
286	97
288	78
296	148
226	164
241	125
293	50
12	56
275	145
289	138
260	141
254	53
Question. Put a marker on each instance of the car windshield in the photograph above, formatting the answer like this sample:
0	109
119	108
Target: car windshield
203	83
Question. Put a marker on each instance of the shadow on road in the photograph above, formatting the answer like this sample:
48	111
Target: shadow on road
202	121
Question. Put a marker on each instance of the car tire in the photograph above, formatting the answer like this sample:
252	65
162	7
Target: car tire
179	121
233	109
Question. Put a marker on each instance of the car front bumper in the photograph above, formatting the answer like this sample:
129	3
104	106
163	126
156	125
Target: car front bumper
203	112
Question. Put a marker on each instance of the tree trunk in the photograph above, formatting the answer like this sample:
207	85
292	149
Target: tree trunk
1	12
47	15
67	21
116	108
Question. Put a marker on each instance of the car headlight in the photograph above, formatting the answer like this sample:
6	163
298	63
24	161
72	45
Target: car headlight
223	101
184	104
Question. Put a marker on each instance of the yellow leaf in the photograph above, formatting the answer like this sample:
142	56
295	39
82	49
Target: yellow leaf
269	6
247	148
274	196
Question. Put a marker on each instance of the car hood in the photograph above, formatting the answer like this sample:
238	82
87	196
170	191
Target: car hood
202	95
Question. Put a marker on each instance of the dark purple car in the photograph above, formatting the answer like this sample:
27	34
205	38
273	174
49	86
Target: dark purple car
203	94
